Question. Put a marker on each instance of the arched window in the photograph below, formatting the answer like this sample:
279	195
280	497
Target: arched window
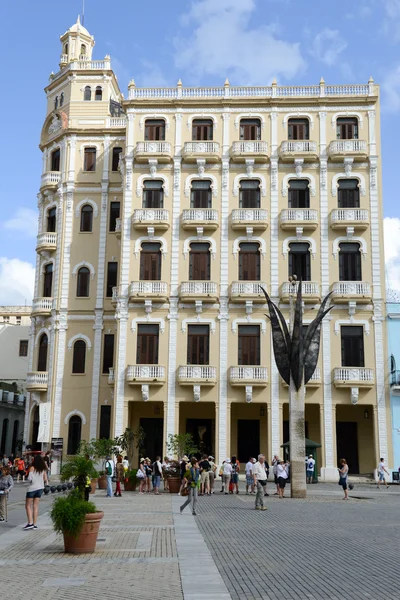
347	128
61	99
4	433
153	194
87	94
48	281
299	193
392	364
250	129
154	129
66	49
79	358
55	160
42	354
98	95
83	283
249	262
349	262
51	220
150	262
298	129
56	103
200	195
86	218
249	193
15	436
83	50
299	261
74	434
199	262
348	193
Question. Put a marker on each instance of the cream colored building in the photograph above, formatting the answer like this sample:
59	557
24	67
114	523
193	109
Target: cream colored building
157	226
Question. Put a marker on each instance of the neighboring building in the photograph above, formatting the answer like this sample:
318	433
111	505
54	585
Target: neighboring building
157	225
393	314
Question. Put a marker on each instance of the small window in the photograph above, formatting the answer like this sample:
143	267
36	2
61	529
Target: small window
61	99
349	262
6	319
55	160
154	130
249	262
18	320
202	129
299	261
83	50
298	129
150	262
86	218
98	95
66	49
112	272
392	364
87	94
56	103
352	342
249	345
116	152
200	196
153	194
198	348
105	422
51	220
23	347
147	345
348	193
90	159
347	129
79	357
249	194
74	434
83	283
42	354
199	262
299	193
48	280
108	352
250	129
114	215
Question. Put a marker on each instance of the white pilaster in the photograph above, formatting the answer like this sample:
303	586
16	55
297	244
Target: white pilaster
274	209
60	325
31	349
98	328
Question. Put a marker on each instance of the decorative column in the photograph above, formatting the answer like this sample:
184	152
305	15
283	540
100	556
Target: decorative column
322	433
28	407
121	314
380	369
334	445
98	329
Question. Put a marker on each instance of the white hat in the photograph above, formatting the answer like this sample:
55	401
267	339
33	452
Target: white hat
228	460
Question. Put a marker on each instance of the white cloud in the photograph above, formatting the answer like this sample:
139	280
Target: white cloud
152	76
17	280
392	252
327	46
391	91
223	43
25	220
391	22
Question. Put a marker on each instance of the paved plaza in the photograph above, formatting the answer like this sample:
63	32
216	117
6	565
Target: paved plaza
318	548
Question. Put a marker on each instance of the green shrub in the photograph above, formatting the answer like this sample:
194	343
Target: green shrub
68	513
131	475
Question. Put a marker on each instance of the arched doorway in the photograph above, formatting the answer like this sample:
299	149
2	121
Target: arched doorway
35	429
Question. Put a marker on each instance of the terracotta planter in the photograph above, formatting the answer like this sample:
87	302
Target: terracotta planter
87	538
93	485
130	486
102	481
174	484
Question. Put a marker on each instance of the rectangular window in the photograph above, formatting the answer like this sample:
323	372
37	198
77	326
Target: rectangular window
352	340
115	158
349	262
200	196
298	129
112	273
198	345
18	320
249	194
23	347
153	194
154	130
202	130
147	345
347	129
199	262
114	214
249	345
89	163
348	193
250	129
150	262
108	352
299	193
299	261
249	262
105	422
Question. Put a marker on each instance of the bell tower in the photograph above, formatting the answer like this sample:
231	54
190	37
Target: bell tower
76	44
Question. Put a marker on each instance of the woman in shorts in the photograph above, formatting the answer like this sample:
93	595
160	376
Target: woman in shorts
282	475
37	477
343	473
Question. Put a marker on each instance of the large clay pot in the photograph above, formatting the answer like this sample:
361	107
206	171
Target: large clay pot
130	486
93	485
87	538
174	484
102	481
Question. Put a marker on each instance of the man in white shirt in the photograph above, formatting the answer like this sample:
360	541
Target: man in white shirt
310	464
249	476
226	475
260	481
381	473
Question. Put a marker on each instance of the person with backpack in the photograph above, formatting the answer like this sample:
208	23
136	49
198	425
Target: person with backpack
191	480
157	473
109	472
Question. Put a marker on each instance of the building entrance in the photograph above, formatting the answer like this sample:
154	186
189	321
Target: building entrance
347	444
248	436
152	445
202	433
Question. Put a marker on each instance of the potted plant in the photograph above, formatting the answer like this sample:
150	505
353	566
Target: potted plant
94	477
130	481
128	441
101	449
179	445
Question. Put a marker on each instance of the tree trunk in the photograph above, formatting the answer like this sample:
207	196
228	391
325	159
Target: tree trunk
298	486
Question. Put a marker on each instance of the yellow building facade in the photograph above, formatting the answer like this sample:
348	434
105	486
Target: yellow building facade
160	215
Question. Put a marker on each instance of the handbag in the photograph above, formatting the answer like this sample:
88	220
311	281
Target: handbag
139	474
185	491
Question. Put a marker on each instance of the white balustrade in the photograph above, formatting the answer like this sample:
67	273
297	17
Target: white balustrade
51	177
111	375
247	288
246	373
301	146
42	305
148	287
200	214
297	91
118	225
249	147
298	214
150	215
49	238
153	148
197	372
249	214
199	288
339	215
347	90
201	148
309	288
316	376
116	122
145	372
351	288
64	58
353	374
343	146
248	92
114	297
207	92
90	65
37	378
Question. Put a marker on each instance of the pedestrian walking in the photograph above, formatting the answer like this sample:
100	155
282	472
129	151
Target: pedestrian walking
157	474
205	468
226	475
182	471
221	475
343	475
165	467
249	476
191	479
20	469
149	473
5	460
37	477
381	473
212	472
125	463
6	484
120	476
260	481
310	468
283	475
141	475
109	473
235	474
48	461
275	461
267	472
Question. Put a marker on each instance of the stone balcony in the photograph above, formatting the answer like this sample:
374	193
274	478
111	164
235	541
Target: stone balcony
111	376
145	374
359	291
46	242
42	307
118	228
256	218
210	151
37	381
342	218
291	218
315	380
158	218
197	375
347	377
151	290
248	149
248	375
153	149
340	149
241	291
207	291
305	149
310	290
50	180
206	218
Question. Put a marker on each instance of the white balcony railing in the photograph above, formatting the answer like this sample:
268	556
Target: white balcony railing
200	214
343	215
344	146
118	225
42	305
64	58
156	288
111	375
247	288
309	288
51	178
150	215
145	372
298	215
356	374
49	238
316	376
249	214
301	146
90	65
153	148
116	122
199	288
201	148
37	378
249	147
197	372
249	374
351	288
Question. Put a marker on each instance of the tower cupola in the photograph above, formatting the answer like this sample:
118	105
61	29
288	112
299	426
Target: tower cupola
76	44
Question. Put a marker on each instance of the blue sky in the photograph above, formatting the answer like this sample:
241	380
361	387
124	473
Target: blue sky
202	42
